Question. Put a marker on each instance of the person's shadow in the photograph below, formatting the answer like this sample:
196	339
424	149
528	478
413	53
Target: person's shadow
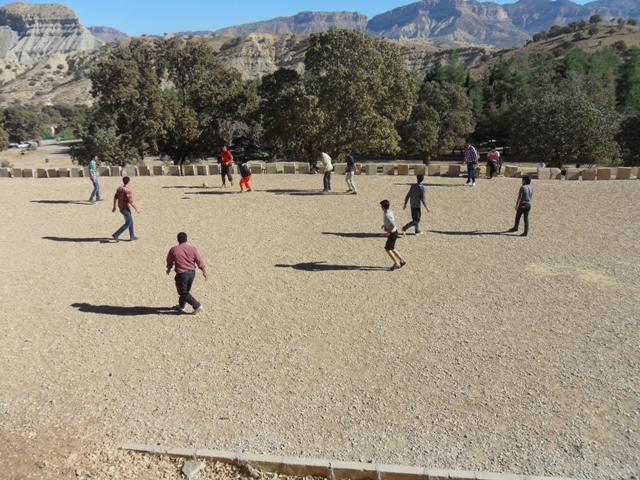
81	239
355	235
61	202
326	267
477	233
298	193
124	311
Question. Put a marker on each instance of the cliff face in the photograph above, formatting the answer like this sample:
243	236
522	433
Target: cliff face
29	33
304	23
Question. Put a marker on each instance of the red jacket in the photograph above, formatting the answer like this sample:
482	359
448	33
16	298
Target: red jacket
227	156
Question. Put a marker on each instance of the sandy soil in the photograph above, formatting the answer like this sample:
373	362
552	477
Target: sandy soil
487	352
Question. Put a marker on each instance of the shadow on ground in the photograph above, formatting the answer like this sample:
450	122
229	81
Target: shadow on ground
300	193
355	235
124	311
81	239
61	202
473	233
222	192
326	267
437	185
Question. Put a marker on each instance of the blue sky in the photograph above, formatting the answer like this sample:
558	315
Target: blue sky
158	16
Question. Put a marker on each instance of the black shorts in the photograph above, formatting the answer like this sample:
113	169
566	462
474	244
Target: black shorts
391	241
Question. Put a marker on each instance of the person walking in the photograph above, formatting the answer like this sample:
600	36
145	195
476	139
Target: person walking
245	173
328	168
523	205
471	158
93	174
417	195
184	258
389	226
493	162
351	173
123	199
226	163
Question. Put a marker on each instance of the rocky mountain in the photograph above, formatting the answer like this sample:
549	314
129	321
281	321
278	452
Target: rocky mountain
451	23
108	34
29	32
304	23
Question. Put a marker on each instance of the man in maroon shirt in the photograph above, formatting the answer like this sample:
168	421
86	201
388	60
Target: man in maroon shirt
185	258
124	200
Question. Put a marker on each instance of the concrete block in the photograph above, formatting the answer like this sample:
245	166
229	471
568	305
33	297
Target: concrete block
623	173
371	169
555	174
544	173
272	168
635	172
173	171
454	170
397	472
511	171
303	168
5	172
403	169
289	168
192	468
41	173
52	173
130	171
116	171
433	170
158	170
188	170
573	173
64	173
420	169
589	174
353	470
603	174
86	171
77	172
388	169
144	171
16	172
214	169
104	172
201	170
340	168
28	173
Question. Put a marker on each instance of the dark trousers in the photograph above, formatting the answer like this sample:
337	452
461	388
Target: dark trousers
225	173
327	181
184	282
523	210
471	172
416	215
493	169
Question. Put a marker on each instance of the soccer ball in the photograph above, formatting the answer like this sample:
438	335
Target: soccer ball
205	185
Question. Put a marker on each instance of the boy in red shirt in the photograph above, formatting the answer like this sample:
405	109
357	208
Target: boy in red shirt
226	159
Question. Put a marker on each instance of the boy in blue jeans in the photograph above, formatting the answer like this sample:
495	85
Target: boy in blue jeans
417	196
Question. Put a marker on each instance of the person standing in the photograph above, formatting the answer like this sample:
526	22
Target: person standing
245	173
471	158
417	195
124	201
185	258
93	174
493	162
389	226
226	163
351	173
523	205
328	168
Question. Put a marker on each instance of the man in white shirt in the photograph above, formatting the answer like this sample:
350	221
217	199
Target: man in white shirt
328	168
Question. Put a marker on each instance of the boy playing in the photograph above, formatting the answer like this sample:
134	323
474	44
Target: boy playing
245	173
93	174
351	173
226	161
389	227
418	196
523	205
493	160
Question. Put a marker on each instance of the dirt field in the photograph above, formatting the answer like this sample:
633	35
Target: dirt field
486	352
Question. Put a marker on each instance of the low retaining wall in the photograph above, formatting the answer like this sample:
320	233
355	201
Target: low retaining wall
404	169
330	469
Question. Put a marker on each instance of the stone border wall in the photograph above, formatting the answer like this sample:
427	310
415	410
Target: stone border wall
288	168
330	469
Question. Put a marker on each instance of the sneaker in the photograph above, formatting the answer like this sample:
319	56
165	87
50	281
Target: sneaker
473	184
349	191
114	237
249	190
395	266
512	230
402	264
354	193
468	183
180	309
523	234
200	309
134	239
419	233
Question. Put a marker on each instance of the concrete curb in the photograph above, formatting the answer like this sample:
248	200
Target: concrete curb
330	469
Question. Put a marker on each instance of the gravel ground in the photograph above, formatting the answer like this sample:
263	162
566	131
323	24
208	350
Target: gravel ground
487	352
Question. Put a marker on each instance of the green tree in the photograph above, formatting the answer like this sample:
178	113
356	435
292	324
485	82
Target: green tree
628	89
440	119
595	19
290	115
450	71
22	123
4	139
101	137
363	90
575	118
629	139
